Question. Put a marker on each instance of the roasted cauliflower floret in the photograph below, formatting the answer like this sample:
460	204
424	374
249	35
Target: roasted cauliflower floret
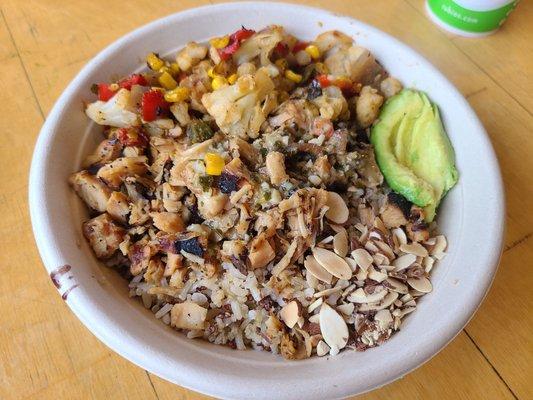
118	111
238	108
190	55
259	45
332	104
390	86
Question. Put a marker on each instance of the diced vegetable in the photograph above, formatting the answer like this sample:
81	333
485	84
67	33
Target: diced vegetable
153	105
135	79
214	164
234	43
313	51
299	46
167	81
219	42
105	92
154	62
218	82
132	136
293	76
198	131
176	95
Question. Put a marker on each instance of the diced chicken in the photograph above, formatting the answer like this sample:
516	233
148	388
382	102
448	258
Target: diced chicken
107	151
168	222
390	86
171	197
245	150
367	106
275	165
188	315
118	206
104	235
237	168
115	172
91	190
211	204
261	252
233	248
174	262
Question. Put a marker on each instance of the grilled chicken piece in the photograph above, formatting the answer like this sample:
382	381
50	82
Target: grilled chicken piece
168	222
104	235
188	315
115	172
118	206
91	190
245	150
275	164
107	151
395	211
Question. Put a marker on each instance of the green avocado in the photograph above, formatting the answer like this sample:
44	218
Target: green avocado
413	151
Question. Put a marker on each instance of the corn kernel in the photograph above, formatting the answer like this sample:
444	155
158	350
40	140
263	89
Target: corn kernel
232	79
114	87
211	72
176	95
218	82
313	51
282	64
175	67
214	164
220	42
154	62
293	76
164	68
321	68
167	81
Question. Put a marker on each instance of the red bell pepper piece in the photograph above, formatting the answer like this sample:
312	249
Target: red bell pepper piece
135	79
132	137
235	41
299	46
323	80
105	92
282	49
153	105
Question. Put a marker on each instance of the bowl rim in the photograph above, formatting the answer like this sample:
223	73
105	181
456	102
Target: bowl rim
82	308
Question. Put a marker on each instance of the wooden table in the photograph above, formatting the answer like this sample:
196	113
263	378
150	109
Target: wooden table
46	353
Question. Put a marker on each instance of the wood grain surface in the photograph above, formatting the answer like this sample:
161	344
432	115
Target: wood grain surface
46	353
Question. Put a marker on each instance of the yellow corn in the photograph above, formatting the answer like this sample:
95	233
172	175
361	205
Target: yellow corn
321	68
154	62
220	42
175	67
218	82
164	68
167	81
211	72
176	95
313	51
293	76
214	164
114	87
282	64
232	79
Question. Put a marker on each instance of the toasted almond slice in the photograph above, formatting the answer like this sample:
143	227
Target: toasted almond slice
414	248
385	248
362	258
360	297
338	210
346	308
384	319
334	329
314	319
387	301
314	305
351	262
334	264
327	292
404	261
286	259
422	284
340	244
322	348
428	264
376	275
399	237
440	245
397	286
314	268
290	313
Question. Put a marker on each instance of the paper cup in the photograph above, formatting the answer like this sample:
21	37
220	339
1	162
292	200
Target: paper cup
470	17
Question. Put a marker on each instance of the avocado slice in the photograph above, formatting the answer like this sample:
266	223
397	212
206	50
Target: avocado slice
413	151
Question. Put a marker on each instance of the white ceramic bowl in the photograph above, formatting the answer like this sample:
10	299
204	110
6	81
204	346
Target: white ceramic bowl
471	217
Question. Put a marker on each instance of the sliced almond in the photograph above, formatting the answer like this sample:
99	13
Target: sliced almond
315	319
362	258
351	262
340	244
428	264
334	264
290	313
440	245
399	237
338	210
327	292
404	261
334	329
414	248
385	248
384	319
314	268
359	296
314	305
397	286
377	276
387	302
422	284
346	308
322	348
286	259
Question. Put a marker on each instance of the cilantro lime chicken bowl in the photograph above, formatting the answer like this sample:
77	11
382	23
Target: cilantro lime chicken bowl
266	185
